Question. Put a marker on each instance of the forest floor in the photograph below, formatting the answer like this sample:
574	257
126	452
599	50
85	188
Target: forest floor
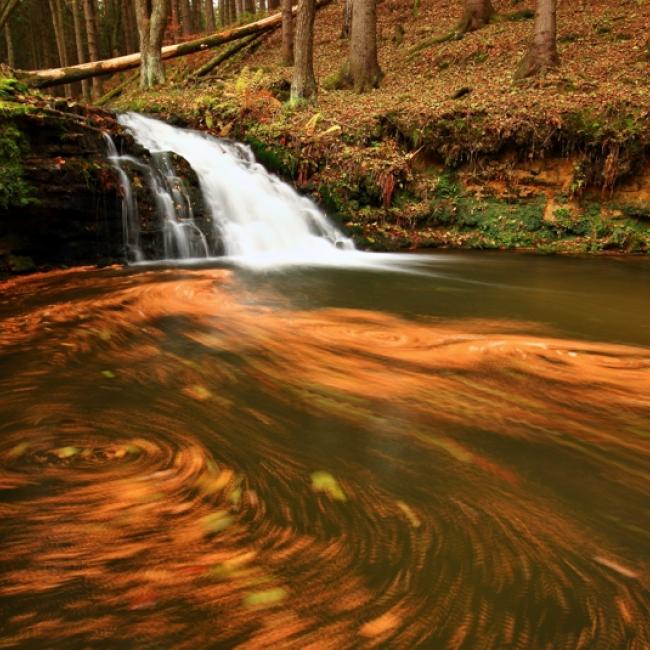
449	151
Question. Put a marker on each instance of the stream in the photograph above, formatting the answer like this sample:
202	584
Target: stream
453	452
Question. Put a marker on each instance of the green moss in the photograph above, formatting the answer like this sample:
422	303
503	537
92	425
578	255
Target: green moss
275	158
14	191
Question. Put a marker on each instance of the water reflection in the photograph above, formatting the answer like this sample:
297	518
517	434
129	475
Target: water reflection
186	464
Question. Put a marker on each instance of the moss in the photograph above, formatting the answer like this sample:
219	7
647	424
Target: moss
14	191
275	158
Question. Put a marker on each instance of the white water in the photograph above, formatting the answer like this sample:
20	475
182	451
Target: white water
260	220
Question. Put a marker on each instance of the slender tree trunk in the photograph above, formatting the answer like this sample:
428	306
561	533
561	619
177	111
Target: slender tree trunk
6	9
59	35
11	59
273	5
81	49
364	65
542	51
303	86
346	27
186	18
249	7
222	12
129	29
477	14
287	33
197	11
239	7
151	17
91	36
210	24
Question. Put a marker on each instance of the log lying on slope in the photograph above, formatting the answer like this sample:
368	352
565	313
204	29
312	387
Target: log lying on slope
57	76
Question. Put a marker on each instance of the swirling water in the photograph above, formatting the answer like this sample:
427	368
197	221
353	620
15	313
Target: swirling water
210	457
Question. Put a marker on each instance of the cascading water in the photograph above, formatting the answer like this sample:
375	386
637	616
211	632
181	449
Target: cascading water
256	219
181	237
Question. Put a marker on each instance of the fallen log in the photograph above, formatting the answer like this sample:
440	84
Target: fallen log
57	76
224	56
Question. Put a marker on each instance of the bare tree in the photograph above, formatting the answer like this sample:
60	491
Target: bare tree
56	11
303	86
10	46
346	26
79	38
187	27
151	17
210	24
477	14
365	72
287	33
6	9
91	36
542	52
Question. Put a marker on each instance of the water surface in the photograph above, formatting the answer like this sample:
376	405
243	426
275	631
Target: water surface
205	457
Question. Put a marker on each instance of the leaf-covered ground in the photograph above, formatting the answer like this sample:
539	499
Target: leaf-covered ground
442	108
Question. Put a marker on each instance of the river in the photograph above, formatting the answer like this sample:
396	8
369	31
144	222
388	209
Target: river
456	457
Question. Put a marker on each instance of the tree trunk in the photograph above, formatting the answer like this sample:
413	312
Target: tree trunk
151	18
59	35
6	9
210	25
303	86
11	59
346	27
197	11
79	40
129	30
186	18
273	5
542	52
249	7
364	66
56	76
91	35
477	14
287	33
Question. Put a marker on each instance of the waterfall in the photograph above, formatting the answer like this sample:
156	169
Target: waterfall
254	218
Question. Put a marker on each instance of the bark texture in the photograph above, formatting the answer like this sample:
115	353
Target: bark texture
346	26
210	24
6	9
79	38
287	33
303	86
477	15
91	37
364	65
542	52
11	60
151	18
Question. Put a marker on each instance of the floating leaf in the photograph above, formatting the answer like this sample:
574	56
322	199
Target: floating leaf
217	521
265	598
67	452
197	392
377	626
409	514
18	450
109	374
325	482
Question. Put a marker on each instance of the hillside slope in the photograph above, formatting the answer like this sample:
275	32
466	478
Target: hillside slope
449	151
